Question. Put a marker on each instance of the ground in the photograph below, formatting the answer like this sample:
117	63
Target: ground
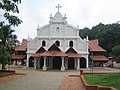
34	79
71	83
30	79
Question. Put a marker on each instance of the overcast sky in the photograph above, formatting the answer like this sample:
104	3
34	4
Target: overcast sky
85	13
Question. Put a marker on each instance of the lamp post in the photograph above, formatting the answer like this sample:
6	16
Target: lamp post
91	64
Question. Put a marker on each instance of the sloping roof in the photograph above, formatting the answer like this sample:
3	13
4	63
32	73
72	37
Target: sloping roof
94	46
23	46
54	48
71	50
18	57
99	58
53	53
36	55
73	55
40	50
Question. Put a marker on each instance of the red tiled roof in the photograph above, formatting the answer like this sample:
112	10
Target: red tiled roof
23	46
73	55
53	53
94	46
36	55
99	58
19	57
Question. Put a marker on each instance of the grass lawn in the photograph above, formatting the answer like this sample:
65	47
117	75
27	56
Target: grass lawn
1	72
104	79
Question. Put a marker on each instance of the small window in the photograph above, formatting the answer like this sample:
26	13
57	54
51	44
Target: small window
71	44
43	43
57	43
57	28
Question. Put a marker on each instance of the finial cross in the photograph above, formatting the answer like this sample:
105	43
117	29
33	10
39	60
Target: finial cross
58	7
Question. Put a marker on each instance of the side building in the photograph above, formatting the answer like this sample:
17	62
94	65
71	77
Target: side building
20	55
97	54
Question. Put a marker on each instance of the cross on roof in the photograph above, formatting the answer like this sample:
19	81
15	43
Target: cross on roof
58	7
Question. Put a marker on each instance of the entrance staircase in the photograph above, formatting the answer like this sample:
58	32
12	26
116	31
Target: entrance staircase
109	63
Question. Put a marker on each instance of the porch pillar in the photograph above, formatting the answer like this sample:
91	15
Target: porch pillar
44	66
78	63
35	63
27	63
28	56
87	62
38	63
63	67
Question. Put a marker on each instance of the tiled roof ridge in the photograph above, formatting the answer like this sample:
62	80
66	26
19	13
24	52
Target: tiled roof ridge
22	46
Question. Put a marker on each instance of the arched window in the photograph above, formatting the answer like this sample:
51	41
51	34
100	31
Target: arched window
43	43
57	43
57	28
71	44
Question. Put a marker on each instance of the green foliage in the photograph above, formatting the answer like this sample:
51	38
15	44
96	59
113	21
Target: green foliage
84	32
10	6
116	52
13	20
104	79
108	35
8	40
2	72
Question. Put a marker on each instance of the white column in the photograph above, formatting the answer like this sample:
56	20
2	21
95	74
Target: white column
28	60
38	63
62	67
87	62
44	67
87	40
66	63
35	63
78	63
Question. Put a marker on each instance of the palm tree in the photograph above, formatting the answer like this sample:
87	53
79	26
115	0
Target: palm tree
8	42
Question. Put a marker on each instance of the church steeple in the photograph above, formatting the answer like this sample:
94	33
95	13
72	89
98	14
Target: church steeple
58	18
58	7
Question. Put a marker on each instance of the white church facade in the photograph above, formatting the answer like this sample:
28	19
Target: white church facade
57	46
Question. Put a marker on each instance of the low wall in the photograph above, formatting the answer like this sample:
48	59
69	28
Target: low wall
94	87
9	72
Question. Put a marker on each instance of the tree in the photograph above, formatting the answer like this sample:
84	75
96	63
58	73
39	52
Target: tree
85	32
9	7
107	34
116	53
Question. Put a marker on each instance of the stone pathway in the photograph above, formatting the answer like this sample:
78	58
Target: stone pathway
45	80
36	80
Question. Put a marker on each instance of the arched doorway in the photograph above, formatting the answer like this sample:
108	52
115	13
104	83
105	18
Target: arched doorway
71	63
41	62
57	62
31	62
82	62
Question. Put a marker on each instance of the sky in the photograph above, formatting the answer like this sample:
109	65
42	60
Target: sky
85	13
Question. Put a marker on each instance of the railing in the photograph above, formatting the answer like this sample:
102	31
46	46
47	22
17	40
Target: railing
108	63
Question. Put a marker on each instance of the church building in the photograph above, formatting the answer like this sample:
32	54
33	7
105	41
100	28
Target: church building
57	45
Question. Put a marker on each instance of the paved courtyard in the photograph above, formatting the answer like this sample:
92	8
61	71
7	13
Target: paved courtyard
36	80
30	79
